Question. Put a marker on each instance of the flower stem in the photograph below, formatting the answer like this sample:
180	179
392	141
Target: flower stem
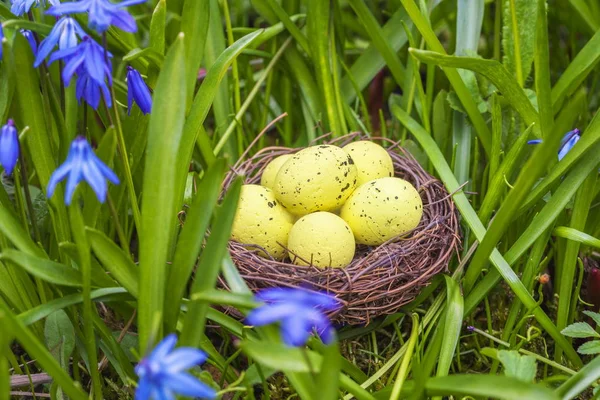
121	146
24	180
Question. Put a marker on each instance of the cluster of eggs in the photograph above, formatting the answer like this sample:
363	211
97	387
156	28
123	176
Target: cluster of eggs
316	205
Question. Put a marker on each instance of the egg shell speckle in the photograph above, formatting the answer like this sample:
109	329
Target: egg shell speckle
261	220
372	161
269	174
318	178
382	209
322	238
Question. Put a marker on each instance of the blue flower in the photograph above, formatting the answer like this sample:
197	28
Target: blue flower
137	91
9	146
88	89
87	56
299	311
567	143
162	373
31	39
101	13
64	34
82	164
20	7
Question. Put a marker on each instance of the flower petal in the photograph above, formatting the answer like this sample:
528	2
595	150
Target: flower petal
271	313
58	175
183	358
69	8
163	348
144	390
186	385
296	330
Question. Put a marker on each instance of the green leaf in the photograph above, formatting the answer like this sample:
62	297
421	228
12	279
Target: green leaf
518	366
44	269
209	265
159	206
454	77
583	64
120	266
577	236
592	347
281	357
581	381
157	27
194	25
580	330
452	326
494	386
593	315
191	238
328	380
518	37
492	70
60	337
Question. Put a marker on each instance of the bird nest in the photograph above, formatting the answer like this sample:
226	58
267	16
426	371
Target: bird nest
380	279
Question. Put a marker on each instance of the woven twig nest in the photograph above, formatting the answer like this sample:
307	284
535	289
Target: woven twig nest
380	279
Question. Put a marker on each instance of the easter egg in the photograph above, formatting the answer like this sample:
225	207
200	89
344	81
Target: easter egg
382	209
261	220
322	239
372	161
318	178
270	172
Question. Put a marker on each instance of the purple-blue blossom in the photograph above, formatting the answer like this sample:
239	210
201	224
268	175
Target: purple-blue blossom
87	55
91	91
82	164
162	373
566	144
9	147
20	7
137	91
65	33
31	39
300	312
101	13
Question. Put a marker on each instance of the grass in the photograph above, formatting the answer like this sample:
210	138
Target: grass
462	84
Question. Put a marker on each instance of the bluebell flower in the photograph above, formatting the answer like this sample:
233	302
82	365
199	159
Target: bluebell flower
65	34
9	146
89	90
87	56
162	373
137	91
82	164
101	13
20	7
566	144
31	39
299	312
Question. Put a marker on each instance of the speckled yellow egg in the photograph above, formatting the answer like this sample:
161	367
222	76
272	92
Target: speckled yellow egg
318	178
372	161
382	209
270	172
261	220
322	239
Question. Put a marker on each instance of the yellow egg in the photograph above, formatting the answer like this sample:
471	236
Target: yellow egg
323	239
262	221
382	209
270	172
372	161
318	178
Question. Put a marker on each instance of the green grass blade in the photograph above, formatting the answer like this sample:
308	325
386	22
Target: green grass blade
120	266
160	189
44	269
579	382
456	81
452	326
194	25
157	27
191	239
577	236
492	70
209	265
328	379
542	70
494	386
577	71
470	217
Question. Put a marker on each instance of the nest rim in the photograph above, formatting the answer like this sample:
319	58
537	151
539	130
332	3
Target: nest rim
380	279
